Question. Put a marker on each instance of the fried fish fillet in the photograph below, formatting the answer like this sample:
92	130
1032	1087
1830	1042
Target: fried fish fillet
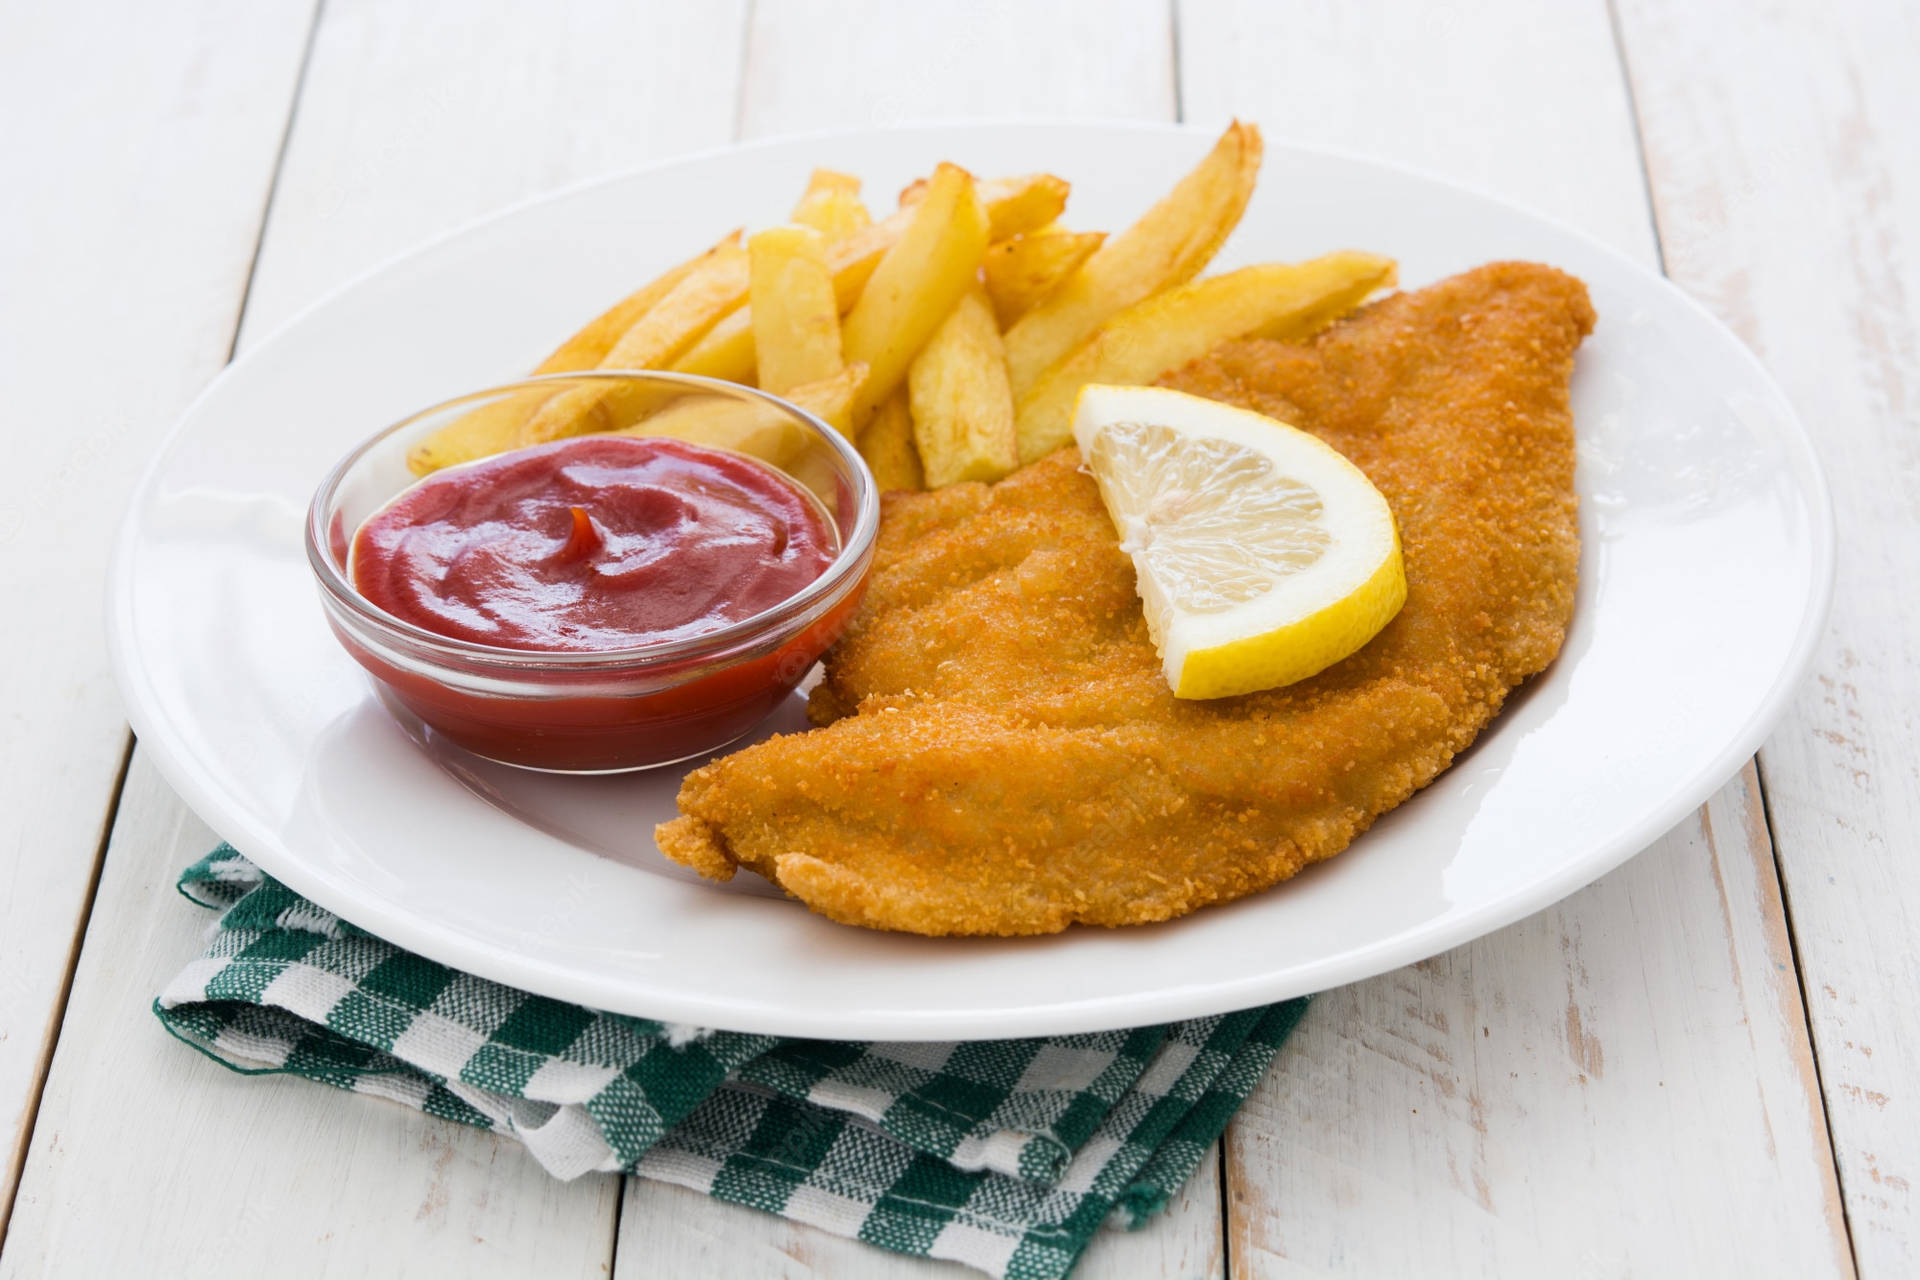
1002	755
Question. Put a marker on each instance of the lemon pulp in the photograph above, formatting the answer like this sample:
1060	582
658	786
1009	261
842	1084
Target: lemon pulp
1262	556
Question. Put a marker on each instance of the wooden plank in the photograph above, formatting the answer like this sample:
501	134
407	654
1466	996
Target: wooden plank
820	64
1621	1084
1780	147
232	1171
137	159
846	66
1618	1086
682	1233
418	117
1524	100
413	119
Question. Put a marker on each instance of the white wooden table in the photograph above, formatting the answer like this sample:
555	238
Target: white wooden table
1701	1065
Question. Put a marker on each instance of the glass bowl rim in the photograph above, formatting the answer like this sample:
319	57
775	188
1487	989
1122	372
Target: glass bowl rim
855	546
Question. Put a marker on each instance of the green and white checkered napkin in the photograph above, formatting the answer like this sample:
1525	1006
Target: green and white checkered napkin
1006	1155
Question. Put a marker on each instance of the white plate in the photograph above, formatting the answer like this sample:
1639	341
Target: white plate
1704	582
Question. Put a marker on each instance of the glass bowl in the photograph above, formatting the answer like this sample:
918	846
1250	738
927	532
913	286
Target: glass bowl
619	709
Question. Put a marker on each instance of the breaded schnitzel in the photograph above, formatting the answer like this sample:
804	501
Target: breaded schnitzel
1002	754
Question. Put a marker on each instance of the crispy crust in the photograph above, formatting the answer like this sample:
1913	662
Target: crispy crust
1003	756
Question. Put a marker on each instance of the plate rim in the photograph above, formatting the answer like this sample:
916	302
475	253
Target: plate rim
1417	942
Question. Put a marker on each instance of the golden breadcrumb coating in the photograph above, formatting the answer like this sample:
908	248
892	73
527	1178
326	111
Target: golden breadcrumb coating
1002	754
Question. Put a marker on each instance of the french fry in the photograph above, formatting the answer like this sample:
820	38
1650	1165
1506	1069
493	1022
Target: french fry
495	427
831	399
717	284
887	444
754	427
1151	338
1168	246
1022	272
1014	204
915	285
726	352
961	402
795	318
853	259
587	348
831	205
1370	274
492	428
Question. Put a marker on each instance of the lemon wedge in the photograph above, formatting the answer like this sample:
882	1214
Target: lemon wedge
1262	555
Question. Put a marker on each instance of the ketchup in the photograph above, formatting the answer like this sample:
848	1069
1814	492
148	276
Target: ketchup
590	544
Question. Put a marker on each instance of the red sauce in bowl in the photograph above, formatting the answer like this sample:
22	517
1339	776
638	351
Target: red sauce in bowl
625	593
592	544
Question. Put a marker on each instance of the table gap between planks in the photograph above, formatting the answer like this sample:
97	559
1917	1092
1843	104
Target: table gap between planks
1622	1084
